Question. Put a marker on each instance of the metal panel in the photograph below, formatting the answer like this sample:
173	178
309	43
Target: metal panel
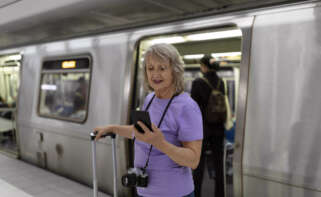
30	22
241	109
275	189
5	3
283	115
65	147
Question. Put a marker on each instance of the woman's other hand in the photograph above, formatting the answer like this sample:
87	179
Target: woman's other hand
101	131
154	137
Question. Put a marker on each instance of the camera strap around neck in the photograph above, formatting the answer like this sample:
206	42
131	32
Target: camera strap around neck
159	124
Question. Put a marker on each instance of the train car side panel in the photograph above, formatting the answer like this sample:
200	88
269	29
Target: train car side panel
283	115
64	146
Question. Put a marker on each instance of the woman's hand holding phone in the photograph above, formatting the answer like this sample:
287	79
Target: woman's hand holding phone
154	137
142	116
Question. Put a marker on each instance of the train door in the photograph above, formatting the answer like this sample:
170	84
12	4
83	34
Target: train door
224	46
9	85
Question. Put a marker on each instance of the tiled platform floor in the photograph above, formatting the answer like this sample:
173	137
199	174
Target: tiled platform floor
20	179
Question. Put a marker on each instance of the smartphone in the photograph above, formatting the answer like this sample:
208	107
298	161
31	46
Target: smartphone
142	116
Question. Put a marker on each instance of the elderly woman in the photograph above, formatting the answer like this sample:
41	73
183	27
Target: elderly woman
175	147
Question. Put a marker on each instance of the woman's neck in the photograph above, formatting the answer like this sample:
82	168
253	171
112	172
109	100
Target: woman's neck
165	94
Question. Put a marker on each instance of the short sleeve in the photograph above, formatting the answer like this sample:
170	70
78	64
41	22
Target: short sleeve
190	123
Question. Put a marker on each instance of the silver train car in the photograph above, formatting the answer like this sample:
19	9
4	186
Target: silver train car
71	86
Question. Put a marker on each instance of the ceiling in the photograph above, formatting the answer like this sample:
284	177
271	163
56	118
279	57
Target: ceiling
32	21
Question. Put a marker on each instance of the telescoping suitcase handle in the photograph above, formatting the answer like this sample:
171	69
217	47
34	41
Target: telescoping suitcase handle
93	148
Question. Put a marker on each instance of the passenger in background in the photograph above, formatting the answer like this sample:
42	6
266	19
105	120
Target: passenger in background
176	144
5	114
213	132
3	103
80	97
79	110
82	88
49	103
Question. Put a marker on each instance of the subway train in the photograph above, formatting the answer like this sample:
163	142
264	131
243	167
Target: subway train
54	93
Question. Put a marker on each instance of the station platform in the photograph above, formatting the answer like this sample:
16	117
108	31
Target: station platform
20	179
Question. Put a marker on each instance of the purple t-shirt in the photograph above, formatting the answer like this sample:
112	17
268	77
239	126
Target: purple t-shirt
182	123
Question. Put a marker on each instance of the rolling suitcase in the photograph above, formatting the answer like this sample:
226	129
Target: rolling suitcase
93	148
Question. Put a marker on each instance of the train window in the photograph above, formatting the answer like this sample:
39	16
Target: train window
64	89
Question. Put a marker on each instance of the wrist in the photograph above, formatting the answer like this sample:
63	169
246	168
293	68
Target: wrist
109	129
162	145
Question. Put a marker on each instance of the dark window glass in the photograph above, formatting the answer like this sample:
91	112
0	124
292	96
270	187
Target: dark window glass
64	93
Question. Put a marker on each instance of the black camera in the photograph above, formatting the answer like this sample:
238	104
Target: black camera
135	177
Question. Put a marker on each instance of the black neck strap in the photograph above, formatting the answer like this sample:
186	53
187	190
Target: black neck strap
150	102
159	124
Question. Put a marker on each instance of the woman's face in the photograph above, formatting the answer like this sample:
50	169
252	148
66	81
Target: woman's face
159	73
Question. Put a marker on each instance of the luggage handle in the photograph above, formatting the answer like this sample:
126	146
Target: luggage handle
94	134
93	143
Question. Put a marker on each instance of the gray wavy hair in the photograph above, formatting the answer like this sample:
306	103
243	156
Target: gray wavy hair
167	52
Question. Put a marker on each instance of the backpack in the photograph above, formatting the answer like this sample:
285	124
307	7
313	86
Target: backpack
215	110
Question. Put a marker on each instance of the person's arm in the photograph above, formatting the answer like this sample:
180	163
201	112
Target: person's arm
195	92
200	92
188	155
122	130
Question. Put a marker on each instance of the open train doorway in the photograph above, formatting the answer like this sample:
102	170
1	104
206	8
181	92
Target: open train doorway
223	45
9	86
